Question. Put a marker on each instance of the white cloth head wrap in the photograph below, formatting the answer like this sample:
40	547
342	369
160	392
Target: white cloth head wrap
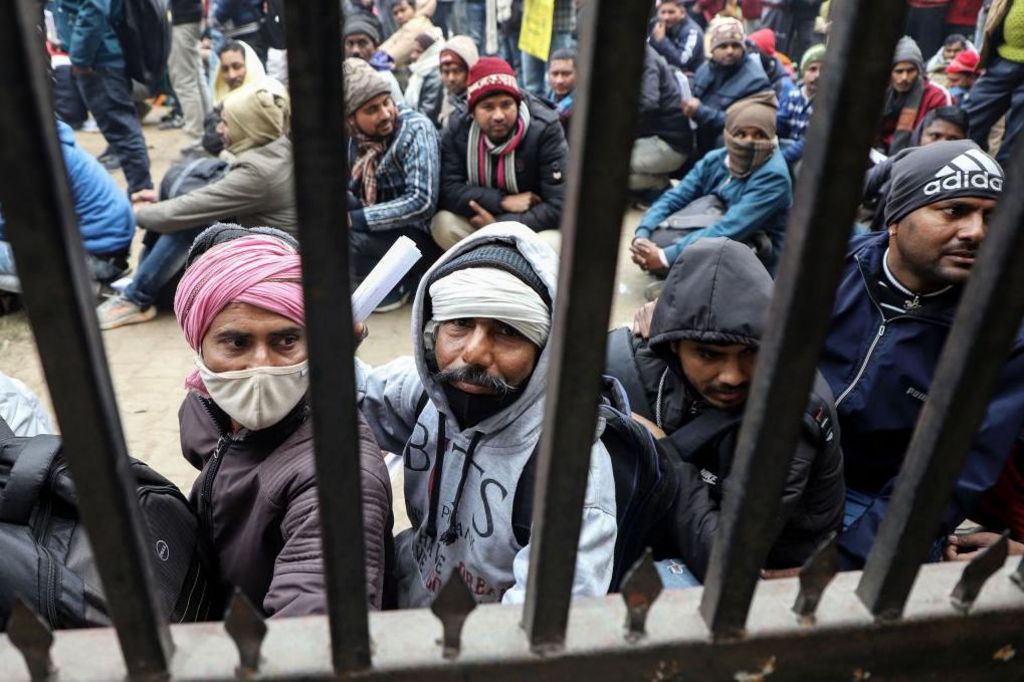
495	294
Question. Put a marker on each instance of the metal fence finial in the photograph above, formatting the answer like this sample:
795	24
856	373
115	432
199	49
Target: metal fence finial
452	606
245	624
978	571
815	575
33	638
640	588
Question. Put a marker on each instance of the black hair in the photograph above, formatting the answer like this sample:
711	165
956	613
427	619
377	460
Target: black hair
955	39
231	46
563	54
953	115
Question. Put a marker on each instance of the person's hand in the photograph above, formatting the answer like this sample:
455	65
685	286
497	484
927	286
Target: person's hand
642	320
82	70
655	430
658	33
690	107
648	256
362	331
774	573
482	218
146	196
966	546
519	203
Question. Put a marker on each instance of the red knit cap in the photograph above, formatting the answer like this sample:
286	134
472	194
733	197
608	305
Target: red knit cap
764	39
965	62
490	76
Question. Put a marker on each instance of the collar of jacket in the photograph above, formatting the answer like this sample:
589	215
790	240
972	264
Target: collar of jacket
269	438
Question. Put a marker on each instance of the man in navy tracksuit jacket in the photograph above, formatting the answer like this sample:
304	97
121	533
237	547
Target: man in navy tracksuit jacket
894	309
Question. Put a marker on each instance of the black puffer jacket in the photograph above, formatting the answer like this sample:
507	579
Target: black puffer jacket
540	168
661	111
718	292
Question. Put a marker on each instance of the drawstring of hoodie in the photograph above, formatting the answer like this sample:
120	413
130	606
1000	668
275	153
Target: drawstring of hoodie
435	484
661	398
452	534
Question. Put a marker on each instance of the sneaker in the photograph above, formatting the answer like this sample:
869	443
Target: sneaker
10	284
90	126
118	312
109	160
653	290
171	123
398	297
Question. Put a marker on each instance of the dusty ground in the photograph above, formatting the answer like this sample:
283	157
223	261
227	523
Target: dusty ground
149	361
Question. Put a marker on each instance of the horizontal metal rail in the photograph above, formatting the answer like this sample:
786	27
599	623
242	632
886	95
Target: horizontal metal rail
934	641
321	148
602	134
986	324
812	260
43	231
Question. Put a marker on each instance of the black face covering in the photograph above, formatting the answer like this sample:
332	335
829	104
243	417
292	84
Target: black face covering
469	410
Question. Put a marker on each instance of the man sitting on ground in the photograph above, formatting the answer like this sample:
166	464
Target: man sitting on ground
562	84
361	36
394	177
677	37
457	58
909	98
797	106
689	383
749	188
664	140
503	160
729	76
467	412
894	308
256	190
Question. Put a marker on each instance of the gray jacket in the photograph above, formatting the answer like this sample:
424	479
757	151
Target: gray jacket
485	552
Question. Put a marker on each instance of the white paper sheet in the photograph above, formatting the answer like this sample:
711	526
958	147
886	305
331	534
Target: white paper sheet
395	264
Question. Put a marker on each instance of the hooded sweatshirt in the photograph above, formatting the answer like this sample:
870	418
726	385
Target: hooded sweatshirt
718	292
486	461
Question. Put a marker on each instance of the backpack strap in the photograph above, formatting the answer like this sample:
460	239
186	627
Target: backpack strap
6	433
27	476
522	503
421	403
689	439
621	364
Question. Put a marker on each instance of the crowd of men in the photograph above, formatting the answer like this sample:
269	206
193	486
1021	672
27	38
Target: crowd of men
458	140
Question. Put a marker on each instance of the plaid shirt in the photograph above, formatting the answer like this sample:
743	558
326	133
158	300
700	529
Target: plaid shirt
794	117
565	17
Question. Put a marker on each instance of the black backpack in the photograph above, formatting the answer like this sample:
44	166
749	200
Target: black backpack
46	555
144	32
645	482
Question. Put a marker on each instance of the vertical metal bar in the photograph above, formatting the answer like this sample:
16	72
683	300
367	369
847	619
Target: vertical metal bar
43	230
848	103
611	53
986	323
321	171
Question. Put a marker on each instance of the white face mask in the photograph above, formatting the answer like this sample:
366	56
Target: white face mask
259	397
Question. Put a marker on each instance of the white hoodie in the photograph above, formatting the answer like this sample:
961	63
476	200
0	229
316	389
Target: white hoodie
485	552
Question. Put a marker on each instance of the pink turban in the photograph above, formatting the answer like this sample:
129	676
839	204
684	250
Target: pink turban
260	270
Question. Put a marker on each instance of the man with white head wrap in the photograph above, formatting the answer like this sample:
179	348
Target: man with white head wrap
467	412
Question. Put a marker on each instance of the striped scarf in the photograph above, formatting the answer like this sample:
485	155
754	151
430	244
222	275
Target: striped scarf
364	170
481	154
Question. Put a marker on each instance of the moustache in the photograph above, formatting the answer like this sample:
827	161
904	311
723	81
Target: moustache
477	376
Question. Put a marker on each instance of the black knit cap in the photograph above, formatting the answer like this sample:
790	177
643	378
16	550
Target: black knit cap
500	255
219	233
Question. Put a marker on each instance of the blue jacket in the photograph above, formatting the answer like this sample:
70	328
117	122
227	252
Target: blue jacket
408	177
759	201
105	217
238	17
683	46
881	373
84	28
717	87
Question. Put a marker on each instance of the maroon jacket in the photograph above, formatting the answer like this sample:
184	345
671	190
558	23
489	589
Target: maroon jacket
257	502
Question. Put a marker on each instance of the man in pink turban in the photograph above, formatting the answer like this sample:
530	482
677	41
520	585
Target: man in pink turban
245	424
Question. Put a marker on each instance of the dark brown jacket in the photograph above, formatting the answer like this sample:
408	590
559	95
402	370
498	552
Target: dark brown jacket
257	503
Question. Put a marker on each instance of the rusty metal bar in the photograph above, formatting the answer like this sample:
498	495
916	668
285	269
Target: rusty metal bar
937	642
604	123
320	146
42	228
812	261
986	323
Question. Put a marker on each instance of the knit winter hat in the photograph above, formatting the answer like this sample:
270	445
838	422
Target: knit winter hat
965	62
815	53
938	172
757	111
491	76
362	83
724	30
764	40
496	255
460	49
364	24
424	41
908	51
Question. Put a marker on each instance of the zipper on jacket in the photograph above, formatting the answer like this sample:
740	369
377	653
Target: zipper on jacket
863	365
206	492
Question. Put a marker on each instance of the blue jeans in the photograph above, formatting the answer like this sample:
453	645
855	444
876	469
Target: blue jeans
108	94
857	503
534	76
476	23
158	265
7	259
999	89
444	17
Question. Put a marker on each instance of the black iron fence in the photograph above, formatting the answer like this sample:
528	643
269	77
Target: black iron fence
876	624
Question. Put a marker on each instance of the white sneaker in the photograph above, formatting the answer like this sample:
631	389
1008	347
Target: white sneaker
118	311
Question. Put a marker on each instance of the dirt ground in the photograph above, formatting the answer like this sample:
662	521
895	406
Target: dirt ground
150	361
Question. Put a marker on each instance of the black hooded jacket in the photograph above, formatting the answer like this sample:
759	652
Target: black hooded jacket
719	293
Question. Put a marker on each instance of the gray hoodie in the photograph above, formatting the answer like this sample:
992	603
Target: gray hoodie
485	552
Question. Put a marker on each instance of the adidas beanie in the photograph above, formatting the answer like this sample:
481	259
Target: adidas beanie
937	172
